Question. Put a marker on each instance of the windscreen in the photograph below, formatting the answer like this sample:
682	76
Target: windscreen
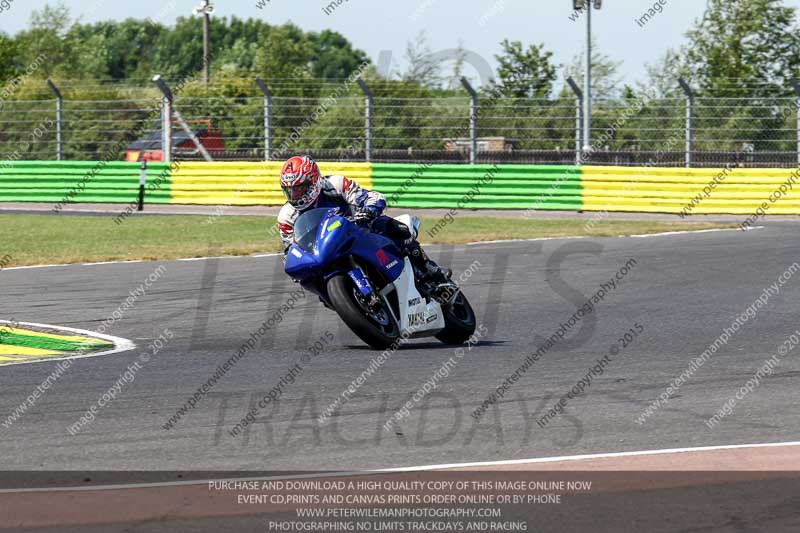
305	229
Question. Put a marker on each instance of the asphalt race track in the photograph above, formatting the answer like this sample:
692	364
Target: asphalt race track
683	291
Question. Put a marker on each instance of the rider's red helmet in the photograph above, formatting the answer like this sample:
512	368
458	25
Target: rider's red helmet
300	181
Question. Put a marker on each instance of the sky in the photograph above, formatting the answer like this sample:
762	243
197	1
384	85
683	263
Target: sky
377	25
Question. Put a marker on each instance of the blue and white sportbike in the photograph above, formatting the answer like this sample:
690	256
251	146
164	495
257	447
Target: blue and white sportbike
368	281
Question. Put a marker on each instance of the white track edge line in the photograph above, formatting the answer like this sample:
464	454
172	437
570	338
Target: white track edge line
607	455
112	262
640	236
643	235
141	261
423	468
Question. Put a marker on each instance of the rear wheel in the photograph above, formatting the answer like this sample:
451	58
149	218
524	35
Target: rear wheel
375	326
459	321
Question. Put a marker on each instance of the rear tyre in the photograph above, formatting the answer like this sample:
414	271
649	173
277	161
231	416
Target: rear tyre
376	328
459	321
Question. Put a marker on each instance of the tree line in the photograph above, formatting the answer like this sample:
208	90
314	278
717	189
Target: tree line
747	49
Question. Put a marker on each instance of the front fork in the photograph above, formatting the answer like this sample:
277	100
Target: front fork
364	287
361	281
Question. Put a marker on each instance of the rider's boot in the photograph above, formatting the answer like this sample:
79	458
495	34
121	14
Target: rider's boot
430	270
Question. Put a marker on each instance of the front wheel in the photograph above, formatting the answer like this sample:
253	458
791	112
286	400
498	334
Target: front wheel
376	327
459	321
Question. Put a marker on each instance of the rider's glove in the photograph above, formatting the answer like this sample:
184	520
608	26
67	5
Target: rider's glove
366	215
370	211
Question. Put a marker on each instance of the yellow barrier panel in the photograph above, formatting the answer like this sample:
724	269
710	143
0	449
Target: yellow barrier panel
690	191
244	183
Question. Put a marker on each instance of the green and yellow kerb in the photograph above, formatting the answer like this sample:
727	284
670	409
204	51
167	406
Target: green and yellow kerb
23	343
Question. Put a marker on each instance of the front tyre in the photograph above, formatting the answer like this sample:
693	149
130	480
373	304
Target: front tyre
459	321
375	327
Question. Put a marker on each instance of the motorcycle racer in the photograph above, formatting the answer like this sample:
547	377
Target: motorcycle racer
305	188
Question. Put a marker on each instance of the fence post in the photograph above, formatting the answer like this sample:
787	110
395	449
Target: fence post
578	118
689	115
473	120
59	120
796	87
367	119
166	119
142	182
267	118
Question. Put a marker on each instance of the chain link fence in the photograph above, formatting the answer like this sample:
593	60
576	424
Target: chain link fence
342	121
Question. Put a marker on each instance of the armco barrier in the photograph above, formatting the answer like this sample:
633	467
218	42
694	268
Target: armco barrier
85	181
690	191
592	188
493	186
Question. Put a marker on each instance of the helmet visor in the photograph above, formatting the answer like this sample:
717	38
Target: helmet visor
296	194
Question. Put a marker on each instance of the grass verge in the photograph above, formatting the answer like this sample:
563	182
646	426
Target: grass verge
49	239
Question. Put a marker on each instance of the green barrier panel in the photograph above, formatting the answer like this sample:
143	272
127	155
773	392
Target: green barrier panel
479	186
82	181
405	185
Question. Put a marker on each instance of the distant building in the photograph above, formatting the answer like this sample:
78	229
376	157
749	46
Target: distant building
485	144
149	148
